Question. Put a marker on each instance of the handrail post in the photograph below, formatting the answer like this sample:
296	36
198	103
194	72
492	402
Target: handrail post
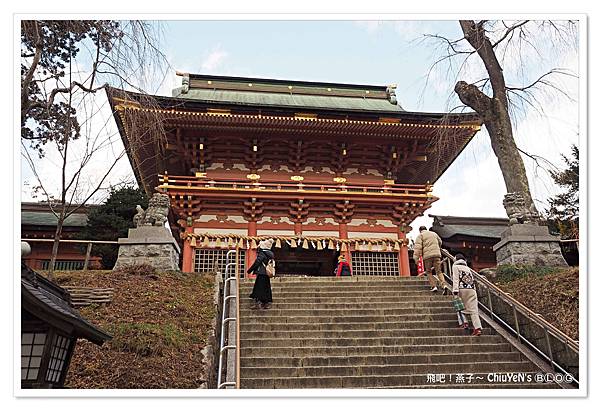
88	253
517	323
549	348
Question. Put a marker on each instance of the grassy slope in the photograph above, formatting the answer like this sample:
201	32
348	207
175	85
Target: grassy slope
160	323
554	295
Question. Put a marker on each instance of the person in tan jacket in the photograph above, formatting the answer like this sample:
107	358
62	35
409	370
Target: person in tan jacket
428	245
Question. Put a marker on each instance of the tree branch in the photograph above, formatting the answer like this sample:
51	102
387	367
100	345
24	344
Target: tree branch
509	31
472	96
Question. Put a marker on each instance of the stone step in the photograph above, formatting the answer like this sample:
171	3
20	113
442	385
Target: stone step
331	280
279	294
359	334
312	298
284	326
372	341
386	369
413	312
386	382
432	349
349	318
344	288
375	304
362	360
472	385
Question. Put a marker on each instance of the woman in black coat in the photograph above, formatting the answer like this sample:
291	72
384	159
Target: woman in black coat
261	292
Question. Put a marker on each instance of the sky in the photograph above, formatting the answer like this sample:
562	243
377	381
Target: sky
368	52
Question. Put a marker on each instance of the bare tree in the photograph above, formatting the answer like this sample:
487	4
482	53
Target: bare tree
64	64
496	101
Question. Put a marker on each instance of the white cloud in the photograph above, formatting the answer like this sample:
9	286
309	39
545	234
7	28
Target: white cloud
214	60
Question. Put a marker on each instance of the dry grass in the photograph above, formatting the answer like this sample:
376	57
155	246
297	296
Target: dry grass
160	323
555	295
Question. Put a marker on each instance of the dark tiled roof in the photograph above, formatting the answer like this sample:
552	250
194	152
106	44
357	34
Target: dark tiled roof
55	301
449	226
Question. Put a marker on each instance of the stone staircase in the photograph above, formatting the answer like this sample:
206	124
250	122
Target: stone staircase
367	332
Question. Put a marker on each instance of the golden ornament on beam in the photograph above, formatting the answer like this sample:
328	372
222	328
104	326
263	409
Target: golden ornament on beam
293	245
230	242
319	246
339	180
253	244
297	178
370	246
331	245
396	246
253	177
305	244
193	241
278	243
205	242
240	243
218	244
344	247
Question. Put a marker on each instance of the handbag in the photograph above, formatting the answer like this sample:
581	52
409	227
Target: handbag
458	304
270	268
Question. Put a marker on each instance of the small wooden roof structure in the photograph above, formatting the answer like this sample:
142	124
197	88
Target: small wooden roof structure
52	304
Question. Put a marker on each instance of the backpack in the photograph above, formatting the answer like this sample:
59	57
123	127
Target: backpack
270	268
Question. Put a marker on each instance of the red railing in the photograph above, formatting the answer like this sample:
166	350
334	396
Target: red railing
167	181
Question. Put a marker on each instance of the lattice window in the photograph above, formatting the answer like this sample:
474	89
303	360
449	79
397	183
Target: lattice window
375	263
60	348
63	265
213	260
32	348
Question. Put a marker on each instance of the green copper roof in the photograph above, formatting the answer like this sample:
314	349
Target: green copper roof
287	93
48	219
288	100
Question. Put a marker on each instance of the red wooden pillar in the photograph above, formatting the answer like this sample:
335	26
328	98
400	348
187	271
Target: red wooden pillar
188	253
298	228
251	253
343	229
403	256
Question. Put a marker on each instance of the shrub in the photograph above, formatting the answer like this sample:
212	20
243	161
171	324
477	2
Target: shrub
508	273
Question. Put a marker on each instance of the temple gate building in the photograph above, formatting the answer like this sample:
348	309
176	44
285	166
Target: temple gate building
322	168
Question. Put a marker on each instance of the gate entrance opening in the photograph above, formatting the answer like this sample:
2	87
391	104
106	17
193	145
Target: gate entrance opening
309	262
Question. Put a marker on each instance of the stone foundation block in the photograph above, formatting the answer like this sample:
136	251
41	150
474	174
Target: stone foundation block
152	245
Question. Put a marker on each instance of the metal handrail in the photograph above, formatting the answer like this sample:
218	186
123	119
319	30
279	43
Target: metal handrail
226	318
517	306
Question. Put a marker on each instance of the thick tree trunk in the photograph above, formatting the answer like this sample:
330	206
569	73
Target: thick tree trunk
494	113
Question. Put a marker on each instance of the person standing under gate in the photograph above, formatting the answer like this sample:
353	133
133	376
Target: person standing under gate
463	285
261	292
428	245
343	267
